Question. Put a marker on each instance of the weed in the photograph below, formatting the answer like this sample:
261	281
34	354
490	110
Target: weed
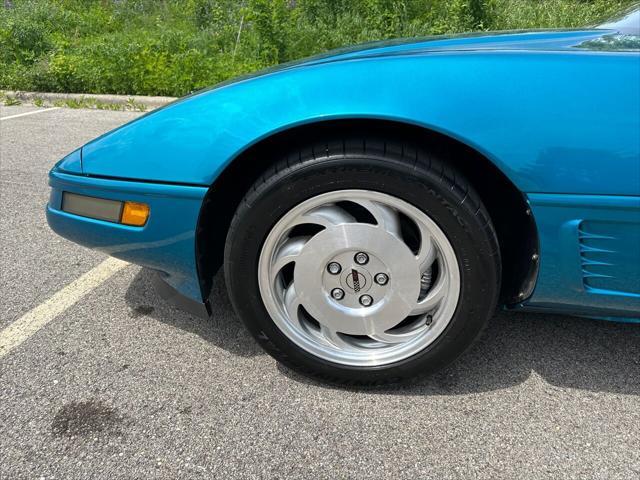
11	101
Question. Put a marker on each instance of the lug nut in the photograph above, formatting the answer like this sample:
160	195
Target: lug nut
337	293
334	268
381	279
361	258
366	300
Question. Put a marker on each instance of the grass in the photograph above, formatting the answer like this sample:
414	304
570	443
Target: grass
171	47
10	100
92	103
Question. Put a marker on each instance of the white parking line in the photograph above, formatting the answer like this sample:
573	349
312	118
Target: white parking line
23	328
28	113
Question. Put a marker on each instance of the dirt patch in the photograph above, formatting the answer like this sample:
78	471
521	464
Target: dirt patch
141	310
84	418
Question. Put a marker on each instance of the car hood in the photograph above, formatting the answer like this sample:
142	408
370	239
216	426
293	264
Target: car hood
550	40
518	40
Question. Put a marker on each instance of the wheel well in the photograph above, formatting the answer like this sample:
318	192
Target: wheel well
509	210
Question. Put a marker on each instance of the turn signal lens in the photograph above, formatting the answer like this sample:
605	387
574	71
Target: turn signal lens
135	214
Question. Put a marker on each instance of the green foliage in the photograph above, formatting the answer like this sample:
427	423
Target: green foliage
10	102
91	103
171	47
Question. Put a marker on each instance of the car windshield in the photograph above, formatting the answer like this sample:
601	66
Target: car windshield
628	23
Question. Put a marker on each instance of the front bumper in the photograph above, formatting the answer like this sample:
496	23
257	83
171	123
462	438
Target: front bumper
166	243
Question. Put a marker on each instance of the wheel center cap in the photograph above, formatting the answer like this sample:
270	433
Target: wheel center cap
320	290
357	280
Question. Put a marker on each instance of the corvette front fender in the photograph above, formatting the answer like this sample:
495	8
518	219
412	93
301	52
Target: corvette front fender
525	111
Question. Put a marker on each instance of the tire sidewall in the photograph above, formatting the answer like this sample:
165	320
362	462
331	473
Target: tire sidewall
425	189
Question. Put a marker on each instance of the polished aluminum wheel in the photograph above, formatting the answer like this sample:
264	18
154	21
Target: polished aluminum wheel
359	278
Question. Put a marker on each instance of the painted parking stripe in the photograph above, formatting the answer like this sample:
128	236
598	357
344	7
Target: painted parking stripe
23	328
28	113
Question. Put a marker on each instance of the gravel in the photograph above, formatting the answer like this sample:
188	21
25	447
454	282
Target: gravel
122	385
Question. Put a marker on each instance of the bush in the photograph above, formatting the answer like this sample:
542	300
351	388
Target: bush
171	47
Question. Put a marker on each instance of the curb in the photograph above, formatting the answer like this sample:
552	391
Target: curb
87	100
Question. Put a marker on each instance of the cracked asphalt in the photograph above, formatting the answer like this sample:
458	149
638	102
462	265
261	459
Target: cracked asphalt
122	385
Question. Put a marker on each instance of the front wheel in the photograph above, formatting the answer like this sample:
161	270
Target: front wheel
361	267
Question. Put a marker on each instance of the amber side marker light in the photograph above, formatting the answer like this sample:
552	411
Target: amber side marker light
134	214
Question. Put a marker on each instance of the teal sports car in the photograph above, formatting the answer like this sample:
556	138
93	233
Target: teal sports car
372	207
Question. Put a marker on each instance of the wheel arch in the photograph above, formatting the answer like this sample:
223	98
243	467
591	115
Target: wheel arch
507	205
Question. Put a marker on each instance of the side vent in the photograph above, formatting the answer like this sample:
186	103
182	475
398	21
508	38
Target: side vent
596	255
609	255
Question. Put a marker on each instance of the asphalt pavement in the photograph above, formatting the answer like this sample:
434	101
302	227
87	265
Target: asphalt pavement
122	385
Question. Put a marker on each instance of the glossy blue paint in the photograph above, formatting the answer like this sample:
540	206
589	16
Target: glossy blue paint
554	121
72	163
557	112
166	243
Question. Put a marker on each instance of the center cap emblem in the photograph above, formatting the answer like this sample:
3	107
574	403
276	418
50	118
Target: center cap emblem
356	281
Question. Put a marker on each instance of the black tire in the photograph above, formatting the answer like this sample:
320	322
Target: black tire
394	167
